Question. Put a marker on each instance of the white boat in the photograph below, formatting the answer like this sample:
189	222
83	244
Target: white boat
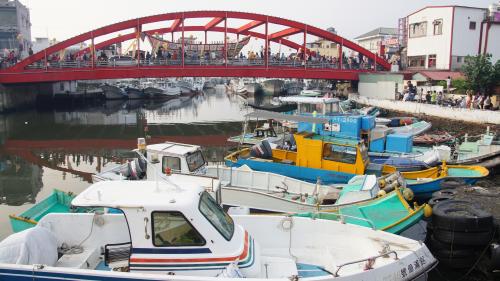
186	86
209	84
310	93
240	87
293	87
161	89
273	86
271	192
382	121
113	92
251	86
242	186
176	231
178	157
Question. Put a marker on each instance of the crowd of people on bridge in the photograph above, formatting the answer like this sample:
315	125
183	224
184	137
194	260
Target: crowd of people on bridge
164	55
9	57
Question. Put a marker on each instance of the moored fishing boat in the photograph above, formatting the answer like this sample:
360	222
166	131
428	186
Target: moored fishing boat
412	129
398	215
113	92
425	182
336	160
310	93
135	93
272	86
57	202
178	228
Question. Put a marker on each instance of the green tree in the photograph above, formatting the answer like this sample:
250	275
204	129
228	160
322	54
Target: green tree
481	73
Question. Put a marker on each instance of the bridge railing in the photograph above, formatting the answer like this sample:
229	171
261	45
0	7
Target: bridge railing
80	64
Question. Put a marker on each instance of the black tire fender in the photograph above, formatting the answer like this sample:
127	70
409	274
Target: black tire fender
463	238
437	199
461	216
445	192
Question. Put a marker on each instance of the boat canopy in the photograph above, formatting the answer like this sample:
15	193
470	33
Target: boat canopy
173	148
309	100
181	190
286	117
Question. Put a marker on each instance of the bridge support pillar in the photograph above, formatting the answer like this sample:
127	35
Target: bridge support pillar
14	97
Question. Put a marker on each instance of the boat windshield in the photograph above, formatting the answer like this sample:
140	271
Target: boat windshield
195	160
320	108
216	216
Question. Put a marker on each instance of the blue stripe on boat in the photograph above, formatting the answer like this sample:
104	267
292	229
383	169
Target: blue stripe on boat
171	251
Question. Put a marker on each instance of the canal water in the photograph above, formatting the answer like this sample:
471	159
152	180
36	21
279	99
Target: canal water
62	146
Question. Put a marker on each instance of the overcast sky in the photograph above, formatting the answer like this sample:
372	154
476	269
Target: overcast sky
63	19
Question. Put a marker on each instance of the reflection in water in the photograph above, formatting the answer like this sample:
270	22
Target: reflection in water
20	181
42	150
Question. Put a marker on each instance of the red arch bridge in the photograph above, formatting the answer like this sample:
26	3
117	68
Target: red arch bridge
41	67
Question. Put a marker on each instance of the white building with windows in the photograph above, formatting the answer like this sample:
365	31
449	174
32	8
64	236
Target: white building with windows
382	37
440	37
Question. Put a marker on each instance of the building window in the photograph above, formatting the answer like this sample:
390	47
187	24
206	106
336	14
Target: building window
438	26
431	61
418	29
459	59
416	61
173	229
472	25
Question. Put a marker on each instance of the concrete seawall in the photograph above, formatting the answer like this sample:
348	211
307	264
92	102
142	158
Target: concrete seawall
13	97
459	114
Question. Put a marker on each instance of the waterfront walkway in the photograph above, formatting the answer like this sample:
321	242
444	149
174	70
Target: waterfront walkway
459	114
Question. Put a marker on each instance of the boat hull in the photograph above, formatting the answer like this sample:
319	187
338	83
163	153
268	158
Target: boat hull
297	172
252	87
424	183
273	86
57	202
134	93
398	215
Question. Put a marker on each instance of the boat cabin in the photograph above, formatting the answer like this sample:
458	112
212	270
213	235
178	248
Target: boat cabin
344	155
173	227
309	105
178	157
324	152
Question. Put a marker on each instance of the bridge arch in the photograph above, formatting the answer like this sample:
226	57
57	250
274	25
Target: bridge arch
178	19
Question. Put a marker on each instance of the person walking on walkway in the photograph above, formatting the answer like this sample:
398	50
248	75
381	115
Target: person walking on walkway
468	100
420	95
440	98
487	102
433	97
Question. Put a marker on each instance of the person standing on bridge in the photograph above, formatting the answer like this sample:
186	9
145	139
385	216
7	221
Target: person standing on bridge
30	51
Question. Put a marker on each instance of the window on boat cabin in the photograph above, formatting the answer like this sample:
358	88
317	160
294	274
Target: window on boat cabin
172	229
214	213
339	153
173	163
195	160
310	108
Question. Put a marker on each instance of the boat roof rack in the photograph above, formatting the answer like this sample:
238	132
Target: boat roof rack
286	117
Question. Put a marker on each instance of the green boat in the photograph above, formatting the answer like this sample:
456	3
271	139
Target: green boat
390	213
58	202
